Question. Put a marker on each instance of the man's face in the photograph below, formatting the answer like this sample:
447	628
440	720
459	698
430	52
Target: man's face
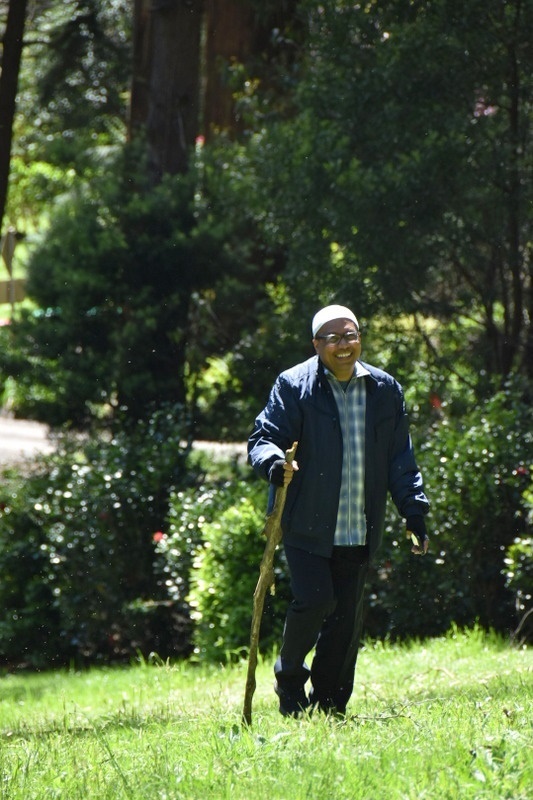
338	357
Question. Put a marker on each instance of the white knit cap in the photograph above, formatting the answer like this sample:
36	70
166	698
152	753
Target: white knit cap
331	312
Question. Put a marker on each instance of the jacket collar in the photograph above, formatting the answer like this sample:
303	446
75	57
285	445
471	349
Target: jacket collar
371	380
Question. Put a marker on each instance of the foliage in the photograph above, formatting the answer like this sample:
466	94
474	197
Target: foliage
519	562
389	178
218	487
360	177
224	578
211	558
387	168
519	579
476	468
77	547
71	102
384	186
112	281
461	706
229	390
247	319
74	80
163	300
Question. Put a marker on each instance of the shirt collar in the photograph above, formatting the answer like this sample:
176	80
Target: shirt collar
359	371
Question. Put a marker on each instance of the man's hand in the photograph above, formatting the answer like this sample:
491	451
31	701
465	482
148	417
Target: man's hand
416	532
281	472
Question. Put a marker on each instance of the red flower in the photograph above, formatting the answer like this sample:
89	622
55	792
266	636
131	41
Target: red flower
158	536
435	400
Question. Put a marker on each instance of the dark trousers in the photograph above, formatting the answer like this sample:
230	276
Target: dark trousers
326	611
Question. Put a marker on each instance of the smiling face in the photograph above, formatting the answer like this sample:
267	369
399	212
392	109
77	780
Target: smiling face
339	358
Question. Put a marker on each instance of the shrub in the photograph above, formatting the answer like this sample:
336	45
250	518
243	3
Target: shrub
518	570
77	547
519	579
224	578
112	281
477	569
212	556
475	470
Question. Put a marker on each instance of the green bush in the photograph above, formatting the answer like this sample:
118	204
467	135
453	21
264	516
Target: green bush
518	569
226	569
109	545
189	512
77	548
113	280
477	570
519	575
475	469
211	557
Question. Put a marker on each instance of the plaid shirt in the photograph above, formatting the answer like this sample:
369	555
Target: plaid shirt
351	403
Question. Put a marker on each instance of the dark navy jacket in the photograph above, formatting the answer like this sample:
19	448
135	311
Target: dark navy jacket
301	408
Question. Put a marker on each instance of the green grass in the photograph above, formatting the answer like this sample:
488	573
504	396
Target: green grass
449	718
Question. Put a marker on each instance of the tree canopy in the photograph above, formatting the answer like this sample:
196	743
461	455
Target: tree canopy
378	153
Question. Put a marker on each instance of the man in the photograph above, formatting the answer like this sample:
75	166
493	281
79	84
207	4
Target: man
354	448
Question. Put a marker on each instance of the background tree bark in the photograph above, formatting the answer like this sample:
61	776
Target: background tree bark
10	67
229	28
166	81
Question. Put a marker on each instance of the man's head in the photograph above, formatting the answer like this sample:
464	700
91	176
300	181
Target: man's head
337	339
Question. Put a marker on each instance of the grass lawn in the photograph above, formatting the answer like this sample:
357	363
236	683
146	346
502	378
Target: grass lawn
449	718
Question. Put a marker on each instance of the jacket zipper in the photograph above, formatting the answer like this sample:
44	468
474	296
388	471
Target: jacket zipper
348	446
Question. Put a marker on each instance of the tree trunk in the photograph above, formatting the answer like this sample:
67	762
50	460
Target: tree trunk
166	81
514	309
229	30
140	84
11	55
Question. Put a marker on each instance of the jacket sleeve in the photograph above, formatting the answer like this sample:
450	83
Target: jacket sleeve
276	427
405	480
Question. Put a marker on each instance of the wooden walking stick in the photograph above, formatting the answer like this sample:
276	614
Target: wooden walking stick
272	531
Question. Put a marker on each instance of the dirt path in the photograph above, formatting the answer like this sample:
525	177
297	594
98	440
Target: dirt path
21	439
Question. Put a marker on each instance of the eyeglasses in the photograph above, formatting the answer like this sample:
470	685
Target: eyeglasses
350	337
